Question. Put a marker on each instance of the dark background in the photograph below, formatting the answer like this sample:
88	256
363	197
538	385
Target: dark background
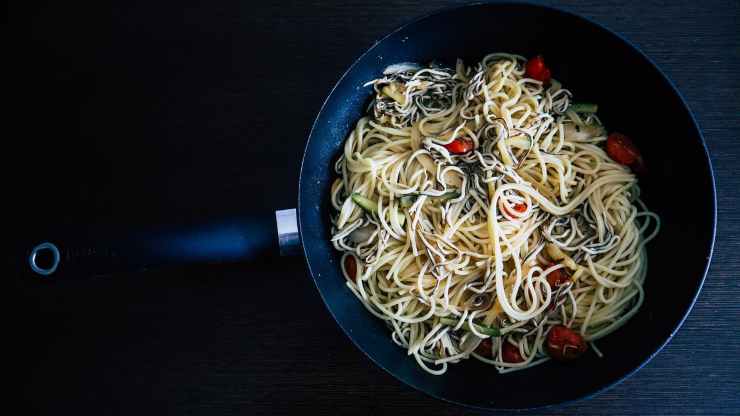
144	112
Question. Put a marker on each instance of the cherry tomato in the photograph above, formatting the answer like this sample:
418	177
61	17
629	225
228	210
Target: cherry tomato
546	76
564	344
350	266
510	353
536	69
621	149
459	146
557	277
535	66
484	348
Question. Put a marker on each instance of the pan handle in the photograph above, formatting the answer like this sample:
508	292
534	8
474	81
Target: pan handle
84	253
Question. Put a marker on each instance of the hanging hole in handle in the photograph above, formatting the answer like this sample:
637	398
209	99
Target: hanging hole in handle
44	259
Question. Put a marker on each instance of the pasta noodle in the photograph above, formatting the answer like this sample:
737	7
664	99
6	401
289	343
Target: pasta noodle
447	246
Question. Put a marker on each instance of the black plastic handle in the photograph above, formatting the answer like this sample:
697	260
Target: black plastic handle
102	251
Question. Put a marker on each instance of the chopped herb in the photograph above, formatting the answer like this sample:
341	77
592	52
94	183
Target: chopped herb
367	204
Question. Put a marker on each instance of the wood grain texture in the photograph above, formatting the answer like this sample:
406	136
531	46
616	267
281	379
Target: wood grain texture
165	110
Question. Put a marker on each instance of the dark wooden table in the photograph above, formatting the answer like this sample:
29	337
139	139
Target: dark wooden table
141	112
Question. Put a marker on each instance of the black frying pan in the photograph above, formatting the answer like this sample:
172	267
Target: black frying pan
598	66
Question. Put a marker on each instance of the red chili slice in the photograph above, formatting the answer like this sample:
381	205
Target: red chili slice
520	207
564	344
459	146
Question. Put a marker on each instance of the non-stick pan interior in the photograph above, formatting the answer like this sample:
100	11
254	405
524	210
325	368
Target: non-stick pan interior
633	97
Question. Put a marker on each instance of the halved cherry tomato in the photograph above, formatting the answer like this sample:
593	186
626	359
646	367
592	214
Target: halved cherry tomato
510	353
350	266
459	146
564	344
621	149
484	348
536	69
557	277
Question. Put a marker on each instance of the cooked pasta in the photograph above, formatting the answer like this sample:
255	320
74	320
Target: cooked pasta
479	213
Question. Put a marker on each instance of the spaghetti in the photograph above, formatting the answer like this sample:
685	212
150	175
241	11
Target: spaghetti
479	215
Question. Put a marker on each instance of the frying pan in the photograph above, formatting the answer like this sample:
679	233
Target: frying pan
599	66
